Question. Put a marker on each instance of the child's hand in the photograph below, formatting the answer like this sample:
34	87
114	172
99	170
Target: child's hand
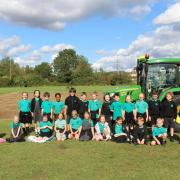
142	142
158	143
174	120
149	118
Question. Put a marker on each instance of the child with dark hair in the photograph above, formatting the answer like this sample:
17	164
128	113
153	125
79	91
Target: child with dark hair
47	106
25	112
169	113
83	105
154	109
71	104
57	106
36	109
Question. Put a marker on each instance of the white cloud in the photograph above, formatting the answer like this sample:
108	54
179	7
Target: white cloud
54	15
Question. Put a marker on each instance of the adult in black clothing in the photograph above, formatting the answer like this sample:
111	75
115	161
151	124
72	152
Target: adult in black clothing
154	109
83	105
169	113
71	103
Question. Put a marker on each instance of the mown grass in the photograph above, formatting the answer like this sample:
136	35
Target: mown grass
87	160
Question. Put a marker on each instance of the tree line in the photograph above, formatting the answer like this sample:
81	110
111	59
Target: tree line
68	68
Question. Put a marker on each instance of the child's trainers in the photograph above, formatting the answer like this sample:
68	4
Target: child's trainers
171	138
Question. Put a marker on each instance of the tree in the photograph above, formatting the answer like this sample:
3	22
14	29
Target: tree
44	70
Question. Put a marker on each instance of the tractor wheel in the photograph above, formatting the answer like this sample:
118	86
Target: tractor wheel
177	123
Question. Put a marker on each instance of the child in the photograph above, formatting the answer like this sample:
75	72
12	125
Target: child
45	127
87	129
129	113
102	130
140	132
141	108
71	103
60	128
159	133
117	108
83	105
169	113
75	126
120	135
36	109
154	109
25	112
47	106
16	131
105	110
58	106
94	108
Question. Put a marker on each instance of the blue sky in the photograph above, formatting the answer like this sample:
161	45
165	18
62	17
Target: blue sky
98	35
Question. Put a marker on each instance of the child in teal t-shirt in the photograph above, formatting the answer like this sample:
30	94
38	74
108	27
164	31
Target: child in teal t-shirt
58	106
60	128
159	133
94	107
75	125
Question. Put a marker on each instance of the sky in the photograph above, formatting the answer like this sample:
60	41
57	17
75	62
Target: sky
110	33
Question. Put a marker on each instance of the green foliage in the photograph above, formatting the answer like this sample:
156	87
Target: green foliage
44	70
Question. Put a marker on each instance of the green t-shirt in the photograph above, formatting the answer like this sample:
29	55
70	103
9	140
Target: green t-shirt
46	106
141	106
45	123
75	123
128	107
60	123
58	107
12	124
101	127
158	131
118	129
94	105
117	107
90	121
24	105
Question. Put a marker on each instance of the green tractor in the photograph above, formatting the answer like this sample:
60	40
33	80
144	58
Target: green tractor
161	75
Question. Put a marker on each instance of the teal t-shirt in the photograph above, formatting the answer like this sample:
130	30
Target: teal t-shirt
128	107
118	129
58	107
91	122
94	105
45	123
46	106
101	127
141	106
60	123
24	105
117	107
12	124
75	123
158	131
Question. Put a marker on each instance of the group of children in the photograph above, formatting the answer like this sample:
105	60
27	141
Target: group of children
86	120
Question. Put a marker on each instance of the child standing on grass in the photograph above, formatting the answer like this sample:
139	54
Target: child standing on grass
83	105
45	127
169	113
102	130
16	131
47	106
154	109
87	128
105	110
94	107
58	106
117	109
75	126
36	109
60	128
141	108
159	133
140	132
25	112
120	135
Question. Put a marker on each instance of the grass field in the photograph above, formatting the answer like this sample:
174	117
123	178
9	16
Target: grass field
87	160
80	160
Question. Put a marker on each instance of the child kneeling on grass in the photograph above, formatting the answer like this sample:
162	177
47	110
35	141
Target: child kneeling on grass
159	133
120	135
75	125
102	129
60	128
45	127
16	131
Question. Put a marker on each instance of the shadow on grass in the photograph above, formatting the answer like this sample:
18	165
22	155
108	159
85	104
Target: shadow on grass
2	135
